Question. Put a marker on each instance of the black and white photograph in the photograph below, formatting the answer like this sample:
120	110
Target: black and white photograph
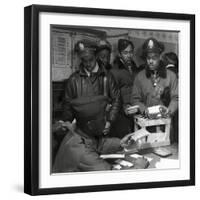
114	99
109	100
100	100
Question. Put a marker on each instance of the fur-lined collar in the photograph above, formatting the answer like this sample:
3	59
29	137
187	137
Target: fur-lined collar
162	72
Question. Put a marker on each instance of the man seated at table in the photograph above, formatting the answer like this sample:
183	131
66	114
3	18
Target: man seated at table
87	94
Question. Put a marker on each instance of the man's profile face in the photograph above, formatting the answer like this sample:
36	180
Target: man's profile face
89	61
153	60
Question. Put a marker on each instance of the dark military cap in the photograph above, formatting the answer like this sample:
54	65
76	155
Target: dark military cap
103	44
123	44
171	58
85	46
151	45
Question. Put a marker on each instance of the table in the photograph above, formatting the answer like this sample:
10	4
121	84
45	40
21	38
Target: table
155	158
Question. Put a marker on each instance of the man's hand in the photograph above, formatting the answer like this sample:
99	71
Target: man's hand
67	125
107	128
127	140
129	110
57	126
165	112
141	163
162	112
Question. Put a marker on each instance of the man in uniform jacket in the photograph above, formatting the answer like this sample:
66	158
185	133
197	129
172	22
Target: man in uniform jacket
104	49
124	70
170	61
155	85
87	93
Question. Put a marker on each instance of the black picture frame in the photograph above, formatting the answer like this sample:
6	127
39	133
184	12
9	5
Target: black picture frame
31	98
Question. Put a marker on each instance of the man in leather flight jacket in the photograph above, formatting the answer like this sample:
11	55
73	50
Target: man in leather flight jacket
87	93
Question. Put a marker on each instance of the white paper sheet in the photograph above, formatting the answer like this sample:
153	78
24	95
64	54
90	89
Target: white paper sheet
166	163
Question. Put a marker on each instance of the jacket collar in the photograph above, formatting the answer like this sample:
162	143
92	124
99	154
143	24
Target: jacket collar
162	72
121	65
104	67
83	72
95	70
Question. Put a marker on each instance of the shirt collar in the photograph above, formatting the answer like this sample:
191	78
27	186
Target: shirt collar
170	65
95	70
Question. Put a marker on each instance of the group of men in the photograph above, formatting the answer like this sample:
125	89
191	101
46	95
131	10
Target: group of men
98	97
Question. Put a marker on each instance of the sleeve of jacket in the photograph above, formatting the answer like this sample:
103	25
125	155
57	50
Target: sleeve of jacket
114	95
68	114
173	106
90	161
125	90
137	95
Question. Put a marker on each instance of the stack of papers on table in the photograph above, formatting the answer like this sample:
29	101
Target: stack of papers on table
112	156
135	155
124	163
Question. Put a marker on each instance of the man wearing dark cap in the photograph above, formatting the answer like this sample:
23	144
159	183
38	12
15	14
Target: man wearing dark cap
124	71
103	54
155	83
87	94
170	61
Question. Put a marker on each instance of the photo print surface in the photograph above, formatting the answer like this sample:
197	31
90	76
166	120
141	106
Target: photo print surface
114	99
